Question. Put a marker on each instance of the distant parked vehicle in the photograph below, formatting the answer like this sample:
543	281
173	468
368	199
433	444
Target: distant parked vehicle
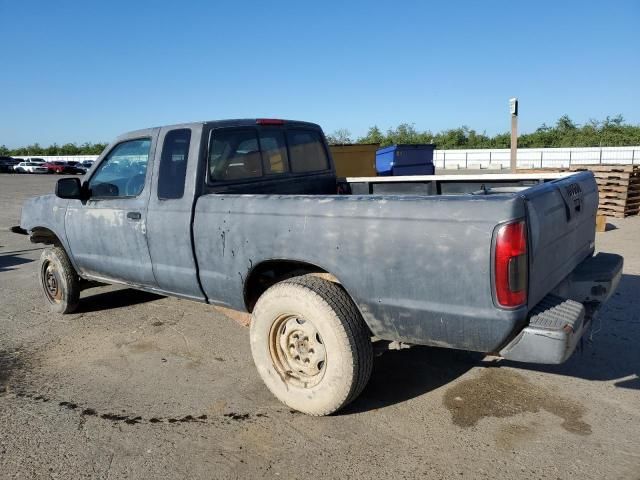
7	164
30	167
60	167
55	167
39	161
86	164
76	167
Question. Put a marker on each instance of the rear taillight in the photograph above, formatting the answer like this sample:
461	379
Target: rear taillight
511	265
269	121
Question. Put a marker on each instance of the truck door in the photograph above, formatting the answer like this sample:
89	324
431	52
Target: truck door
108	232
170	211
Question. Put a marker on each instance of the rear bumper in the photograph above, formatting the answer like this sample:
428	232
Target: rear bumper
558	322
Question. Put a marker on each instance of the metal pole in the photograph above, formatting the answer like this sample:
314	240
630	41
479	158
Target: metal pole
513	104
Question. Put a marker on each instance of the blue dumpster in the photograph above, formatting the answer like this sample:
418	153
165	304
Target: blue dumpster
405	160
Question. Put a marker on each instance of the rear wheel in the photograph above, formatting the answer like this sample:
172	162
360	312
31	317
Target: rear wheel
310	345
59	281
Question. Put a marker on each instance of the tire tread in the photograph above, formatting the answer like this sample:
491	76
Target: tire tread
71	279
356	331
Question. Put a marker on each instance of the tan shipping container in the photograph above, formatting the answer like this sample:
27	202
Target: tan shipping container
355	160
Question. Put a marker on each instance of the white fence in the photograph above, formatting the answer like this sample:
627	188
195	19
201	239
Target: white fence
499	158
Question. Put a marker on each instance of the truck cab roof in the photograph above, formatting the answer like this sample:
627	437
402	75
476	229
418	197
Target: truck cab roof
228	123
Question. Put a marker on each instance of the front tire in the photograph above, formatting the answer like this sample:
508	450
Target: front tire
310	345
59	281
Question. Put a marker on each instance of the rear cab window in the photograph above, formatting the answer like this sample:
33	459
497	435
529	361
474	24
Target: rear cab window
238	153
307	151
234	154
173	164
273	147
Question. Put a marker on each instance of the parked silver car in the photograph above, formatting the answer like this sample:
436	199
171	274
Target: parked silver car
30	167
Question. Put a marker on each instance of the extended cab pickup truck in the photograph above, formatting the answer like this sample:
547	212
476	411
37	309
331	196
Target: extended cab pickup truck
248	214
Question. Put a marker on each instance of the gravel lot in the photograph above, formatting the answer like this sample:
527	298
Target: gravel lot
141	386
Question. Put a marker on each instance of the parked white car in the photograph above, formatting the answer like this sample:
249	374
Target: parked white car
30	167
37	160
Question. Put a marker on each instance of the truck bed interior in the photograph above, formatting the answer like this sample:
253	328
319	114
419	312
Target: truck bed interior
445	184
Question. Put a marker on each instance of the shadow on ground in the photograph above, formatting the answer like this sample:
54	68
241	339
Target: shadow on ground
114	299
610	354
401	375
10	260
610	351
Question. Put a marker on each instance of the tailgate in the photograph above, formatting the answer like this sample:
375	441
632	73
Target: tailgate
561	217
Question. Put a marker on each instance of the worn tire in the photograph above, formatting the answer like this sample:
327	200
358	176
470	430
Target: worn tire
59	281
344	339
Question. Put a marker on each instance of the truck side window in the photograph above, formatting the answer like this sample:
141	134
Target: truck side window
173	164
234	154
307	151
274	151
122	173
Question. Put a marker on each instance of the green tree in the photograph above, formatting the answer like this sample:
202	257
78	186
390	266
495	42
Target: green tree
613	131
565	124
52	149
340	136
374	135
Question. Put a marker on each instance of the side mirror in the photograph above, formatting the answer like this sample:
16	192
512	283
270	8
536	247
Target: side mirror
69	188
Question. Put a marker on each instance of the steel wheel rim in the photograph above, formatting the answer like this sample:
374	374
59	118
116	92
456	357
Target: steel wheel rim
51	283
297	351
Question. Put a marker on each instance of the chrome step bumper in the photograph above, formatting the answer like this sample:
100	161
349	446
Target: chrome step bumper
558	322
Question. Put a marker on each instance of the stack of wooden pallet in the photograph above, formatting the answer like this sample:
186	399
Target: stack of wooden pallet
619	188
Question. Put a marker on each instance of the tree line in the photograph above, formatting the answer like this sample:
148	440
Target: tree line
86	148
611	132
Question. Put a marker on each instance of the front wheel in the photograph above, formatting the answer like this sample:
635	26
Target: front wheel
310	345
59	281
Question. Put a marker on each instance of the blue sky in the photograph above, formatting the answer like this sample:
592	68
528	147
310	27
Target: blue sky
77	71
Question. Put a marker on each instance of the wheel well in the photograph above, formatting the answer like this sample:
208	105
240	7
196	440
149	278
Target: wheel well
44	235
271	272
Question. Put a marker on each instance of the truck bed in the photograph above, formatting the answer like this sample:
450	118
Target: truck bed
419	267
446	184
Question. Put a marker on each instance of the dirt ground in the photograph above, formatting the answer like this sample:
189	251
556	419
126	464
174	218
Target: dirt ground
140	386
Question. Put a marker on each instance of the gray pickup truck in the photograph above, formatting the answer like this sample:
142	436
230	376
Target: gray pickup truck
248	214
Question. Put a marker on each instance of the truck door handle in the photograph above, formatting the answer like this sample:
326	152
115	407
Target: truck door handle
134	215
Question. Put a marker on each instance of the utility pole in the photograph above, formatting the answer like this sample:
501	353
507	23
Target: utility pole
513	109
